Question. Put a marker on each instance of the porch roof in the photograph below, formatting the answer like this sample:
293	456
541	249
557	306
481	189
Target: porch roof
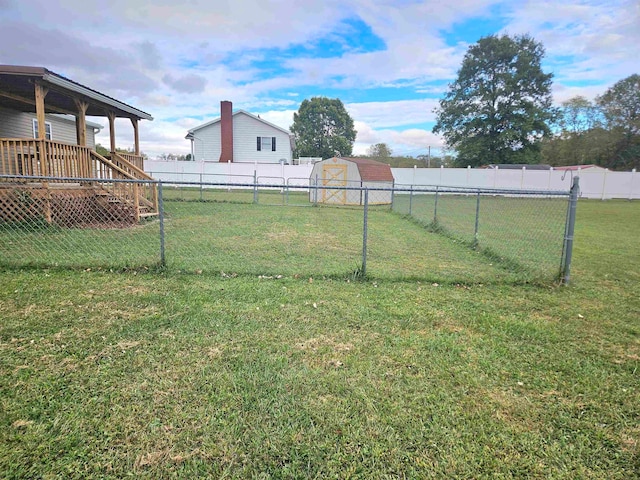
17	92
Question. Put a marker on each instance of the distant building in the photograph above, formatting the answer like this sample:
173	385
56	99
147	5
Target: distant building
240	137
350	172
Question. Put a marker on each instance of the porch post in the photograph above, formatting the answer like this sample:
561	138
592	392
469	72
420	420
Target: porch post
81	122
136	137
40	93
112	129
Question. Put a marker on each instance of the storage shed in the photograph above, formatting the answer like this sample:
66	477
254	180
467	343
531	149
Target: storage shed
350	172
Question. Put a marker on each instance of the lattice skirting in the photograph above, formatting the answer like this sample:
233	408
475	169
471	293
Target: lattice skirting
66	205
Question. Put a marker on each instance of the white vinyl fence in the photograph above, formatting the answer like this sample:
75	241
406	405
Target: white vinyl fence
594	183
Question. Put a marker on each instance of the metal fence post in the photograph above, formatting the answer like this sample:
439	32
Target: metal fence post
255	186
475	231
410	200
315	194
161	218
286	202
393	194
284	192
364	232
200	187
571	223
435	209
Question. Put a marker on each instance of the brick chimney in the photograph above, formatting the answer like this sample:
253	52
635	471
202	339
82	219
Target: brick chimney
226	131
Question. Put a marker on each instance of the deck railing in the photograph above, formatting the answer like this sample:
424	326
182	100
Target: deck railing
136	160
44	157
148	194
33	157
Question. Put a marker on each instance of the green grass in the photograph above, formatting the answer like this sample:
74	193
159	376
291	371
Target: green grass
518	240
107	375
525	232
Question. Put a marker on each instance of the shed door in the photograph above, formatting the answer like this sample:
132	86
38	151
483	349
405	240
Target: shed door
334	175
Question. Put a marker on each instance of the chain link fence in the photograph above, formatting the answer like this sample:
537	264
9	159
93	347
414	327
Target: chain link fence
260	226
524	232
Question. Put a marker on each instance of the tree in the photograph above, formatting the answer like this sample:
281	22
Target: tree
578	115
499	107
379	150
105	152
102	150
620	105
580	137
323	128
172	157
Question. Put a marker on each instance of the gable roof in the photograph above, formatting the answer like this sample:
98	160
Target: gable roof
371	170
237	112
17	83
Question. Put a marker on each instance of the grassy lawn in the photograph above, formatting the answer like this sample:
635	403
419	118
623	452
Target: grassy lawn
518	240
526	231
183	374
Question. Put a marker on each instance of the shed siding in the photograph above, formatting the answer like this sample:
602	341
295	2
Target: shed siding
353	179
378	197
14	124
207	144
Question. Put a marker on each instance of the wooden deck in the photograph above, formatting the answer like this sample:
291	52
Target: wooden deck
69	165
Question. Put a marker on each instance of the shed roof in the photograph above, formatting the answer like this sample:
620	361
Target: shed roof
17	92
371	170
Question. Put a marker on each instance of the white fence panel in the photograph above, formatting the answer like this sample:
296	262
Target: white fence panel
599	184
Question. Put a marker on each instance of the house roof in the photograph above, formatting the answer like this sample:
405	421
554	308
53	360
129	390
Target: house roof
519	166
17	92
217	120
371	170
578	167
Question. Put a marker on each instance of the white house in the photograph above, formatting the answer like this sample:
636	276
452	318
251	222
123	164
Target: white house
60	128
240	137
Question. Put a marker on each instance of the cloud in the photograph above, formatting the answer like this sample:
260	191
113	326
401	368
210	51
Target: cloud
281	118
177	60
150	56
393	113
410	142
97	66
190	83
599	38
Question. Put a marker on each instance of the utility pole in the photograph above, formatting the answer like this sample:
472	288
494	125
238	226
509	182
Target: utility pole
429	157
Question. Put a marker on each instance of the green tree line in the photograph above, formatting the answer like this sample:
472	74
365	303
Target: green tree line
604	132
500	110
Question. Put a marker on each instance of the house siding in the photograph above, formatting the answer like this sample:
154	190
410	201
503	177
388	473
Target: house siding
245	132
14	124
207	143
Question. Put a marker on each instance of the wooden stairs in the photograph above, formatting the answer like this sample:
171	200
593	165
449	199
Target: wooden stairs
142	197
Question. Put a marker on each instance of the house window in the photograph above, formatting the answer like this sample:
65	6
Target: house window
266	144
47	128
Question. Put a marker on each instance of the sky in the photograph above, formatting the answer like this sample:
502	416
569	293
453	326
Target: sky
389	61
